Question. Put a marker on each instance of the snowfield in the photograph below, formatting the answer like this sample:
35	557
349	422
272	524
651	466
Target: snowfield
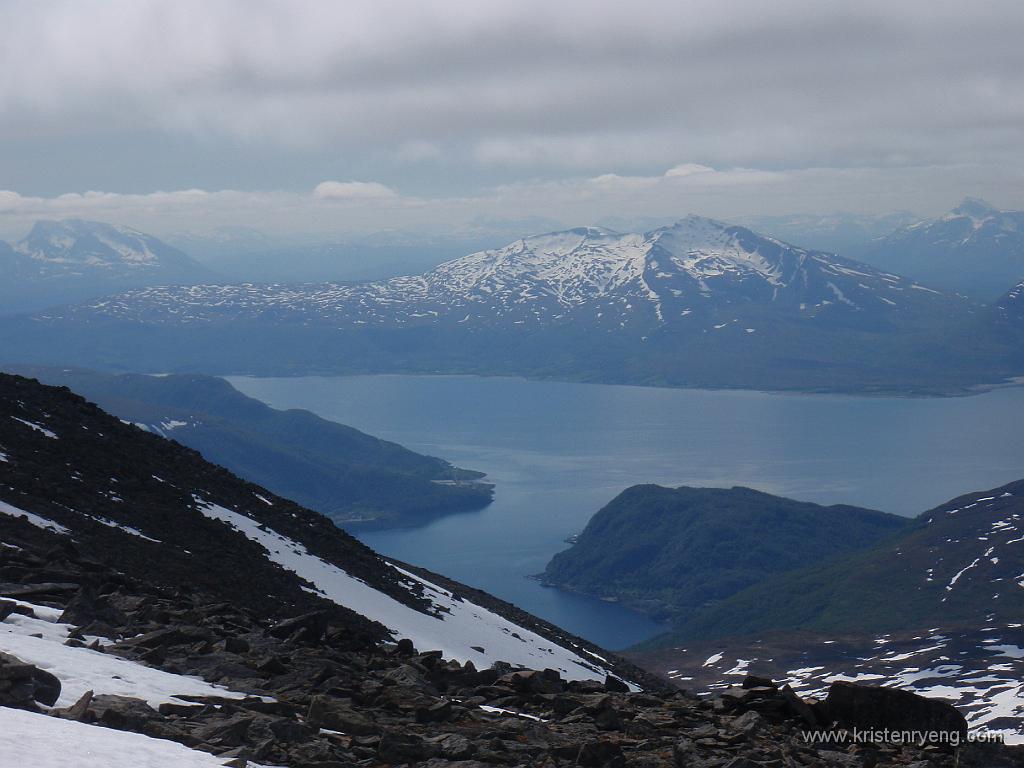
461	629
81	669
39	741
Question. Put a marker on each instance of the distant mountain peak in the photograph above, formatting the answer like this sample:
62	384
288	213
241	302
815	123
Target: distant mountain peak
98	246
975	207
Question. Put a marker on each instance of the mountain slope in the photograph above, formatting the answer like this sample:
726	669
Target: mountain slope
60	262
700	303
674	551
351	477
975	248
960	564
69	472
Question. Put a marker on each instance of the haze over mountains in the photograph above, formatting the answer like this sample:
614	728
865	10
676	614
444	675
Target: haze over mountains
698	303
60	262
975	249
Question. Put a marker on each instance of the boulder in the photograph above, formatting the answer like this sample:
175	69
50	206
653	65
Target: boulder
337	715
873	707
308	628
121	712
398	747
22	685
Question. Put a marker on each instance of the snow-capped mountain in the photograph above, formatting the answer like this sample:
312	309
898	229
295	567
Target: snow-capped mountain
700	302
685	277
71	260
975	248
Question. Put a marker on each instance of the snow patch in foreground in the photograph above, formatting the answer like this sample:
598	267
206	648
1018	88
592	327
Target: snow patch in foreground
41	741
80	669
460	626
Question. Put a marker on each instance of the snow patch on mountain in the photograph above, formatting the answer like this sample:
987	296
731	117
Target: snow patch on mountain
461	629
39	640
40	741
639	282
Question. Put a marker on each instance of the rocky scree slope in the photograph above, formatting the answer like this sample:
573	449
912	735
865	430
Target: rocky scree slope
118	670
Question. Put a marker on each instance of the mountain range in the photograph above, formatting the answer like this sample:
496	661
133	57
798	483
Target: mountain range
975	249
698	303
61	262
355	479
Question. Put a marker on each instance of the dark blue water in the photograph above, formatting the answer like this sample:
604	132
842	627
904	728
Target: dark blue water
558	452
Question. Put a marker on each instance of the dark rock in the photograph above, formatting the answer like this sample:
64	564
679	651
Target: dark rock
338	716
86	607
21	684
405	648
615	685
17	683
403	747
601	752
7	608
47	687
753	681
438	712
234	645
308	628
226	733
872	707
121	712
272	666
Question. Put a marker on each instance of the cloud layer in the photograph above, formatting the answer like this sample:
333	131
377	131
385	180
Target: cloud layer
456	99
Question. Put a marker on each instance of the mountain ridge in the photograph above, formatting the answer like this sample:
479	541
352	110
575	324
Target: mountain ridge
975	248
701	304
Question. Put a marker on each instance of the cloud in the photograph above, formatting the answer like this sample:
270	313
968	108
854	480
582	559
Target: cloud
353	190
342	209
687	169
525	84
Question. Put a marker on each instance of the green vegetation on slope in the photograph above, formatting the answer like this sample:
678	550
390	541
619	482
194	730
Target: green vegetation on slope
957	564
672	552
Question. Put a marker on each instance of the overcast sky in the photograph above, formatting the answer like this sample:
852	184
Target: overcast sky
359	116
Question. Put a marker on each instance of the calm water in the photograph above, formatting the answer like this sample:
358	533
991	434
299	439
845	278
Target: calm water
558	452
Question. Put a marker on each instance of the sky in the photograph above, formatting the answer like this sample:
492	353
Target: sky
301	116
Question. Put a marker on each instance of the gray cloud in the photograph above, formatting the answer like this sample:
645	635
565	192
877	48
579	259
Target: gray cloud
464	101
